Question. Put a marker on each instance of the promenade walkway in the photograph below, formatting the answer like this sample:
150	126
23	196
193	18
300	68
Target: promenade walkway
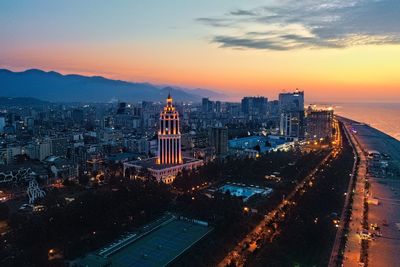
383	251
353	246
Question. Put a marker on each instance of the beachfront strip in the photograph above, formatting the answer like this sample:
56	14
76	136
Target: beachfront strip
374	230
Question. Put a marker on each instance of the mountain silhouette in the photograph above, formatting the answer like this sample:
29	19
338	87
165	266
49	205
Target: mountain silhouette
55	87
21	101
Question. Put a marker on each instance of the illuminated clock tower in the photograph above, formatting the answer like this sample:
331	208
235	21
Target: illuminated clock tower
169	136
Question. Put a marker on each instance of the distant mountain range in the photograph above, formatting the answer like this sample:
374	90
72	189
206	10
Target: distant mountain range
21	101
55	87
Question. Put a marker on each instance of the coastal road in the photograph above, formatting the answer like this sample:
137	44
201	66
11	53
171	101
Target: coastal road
353	246
334	259
383	251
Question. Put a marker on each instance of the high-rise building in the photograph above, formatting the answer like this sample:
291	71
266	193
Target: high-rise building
291	108
319	124
291	101
107	122
29	121
292	124
8	154
121	108
169	136
254	105
218	106
2	124
59	146
169	161
206	105
273	108
233	109
219	140
77	116
38	150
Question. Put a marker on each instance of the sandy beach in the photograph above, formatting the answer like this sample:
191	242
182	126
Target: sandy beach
384	250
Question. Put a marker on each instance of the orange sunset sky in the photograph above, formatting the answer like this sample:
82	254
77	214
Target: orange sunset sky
334	50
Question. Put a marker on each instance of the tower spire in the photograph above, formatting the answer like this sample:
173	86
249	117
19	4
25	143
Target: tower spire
169	101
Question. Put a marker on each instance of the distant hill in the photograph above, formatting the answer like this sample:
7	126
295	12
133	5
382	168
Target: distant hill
21	101
207	93
55	87
213	95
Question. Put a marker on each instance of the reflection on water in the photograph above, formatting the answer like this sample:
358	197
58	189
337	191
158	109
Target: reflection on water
382	116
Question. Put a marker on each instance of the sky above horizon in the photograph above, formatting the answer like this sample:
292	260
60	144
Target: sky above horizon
336	50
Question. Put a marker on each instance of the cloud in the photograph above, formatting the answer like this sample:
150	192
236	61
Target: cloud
242	12
292	24
238	42
214	22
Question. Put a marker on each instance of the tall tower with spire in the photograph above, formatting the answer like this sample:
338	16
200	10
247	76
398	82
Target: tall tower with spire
169	161
169	136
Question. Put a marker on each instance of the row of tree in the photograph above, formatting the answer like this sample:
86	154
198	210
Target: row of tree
93	219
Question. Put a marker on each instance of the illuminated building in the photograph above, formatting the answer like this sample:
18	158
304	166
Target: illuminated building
291	107
207	105
169	136
256	106
219	140
169	161
319	124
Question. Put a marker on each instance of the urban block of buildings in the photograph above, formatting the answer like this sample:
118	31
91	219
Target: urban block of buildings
72	140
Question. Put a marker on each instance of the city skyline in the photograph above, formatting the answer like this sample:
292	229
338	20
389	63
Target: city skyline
336	51
199	133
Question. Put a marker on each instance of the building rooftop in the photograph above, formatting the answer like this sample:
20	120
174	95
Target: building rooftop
122	156
152	164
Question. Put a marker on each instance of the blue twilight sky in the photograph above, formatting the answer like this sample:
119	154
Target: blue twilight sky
108	21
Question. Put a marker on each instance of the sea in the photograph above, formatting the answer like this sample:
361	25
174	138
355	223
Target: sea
382	116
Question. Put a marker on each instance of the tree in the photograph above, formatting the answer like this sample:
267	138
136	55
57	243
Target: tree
21	158
4	211
83	179
70	227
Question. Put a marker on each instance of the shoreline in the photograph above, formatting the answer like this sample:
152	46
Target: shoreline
384	186
382	116
379	131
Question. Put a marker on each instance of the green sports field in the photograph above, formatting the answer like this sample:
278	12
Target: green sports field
161	246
